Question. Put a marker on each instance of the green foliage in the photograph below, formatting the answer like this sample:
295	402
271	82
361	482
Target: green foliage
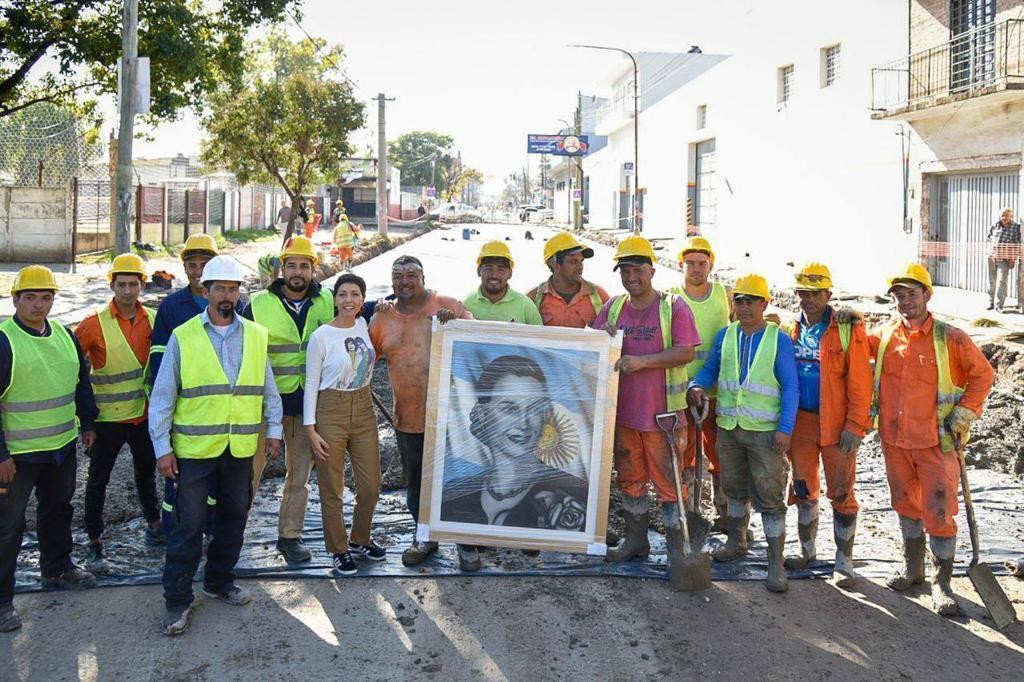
422	157
244	236
61	50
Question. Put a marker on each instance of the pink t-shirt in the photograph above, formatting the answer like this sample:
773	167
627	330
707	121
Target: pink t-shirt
642	394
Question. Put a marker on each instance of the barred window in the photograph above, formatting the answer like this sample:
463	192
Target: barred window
830	65
785	85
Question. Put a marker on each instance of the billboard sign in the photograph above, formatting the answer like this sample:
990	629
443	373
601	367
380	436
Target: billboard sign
432	192
557	145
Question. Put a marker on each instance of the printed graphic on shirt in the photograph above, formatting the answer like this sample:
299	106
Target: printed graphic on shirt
641	332
361	357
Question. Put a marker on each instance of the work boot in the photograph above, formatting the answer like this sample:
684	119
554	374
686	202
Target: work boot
698	527
95	561
469	558
736	544
844	527
943	600
913	557
72	578
293	550
232	594
155	536
634	545
9	619
418	552
807	530
775	536
176	620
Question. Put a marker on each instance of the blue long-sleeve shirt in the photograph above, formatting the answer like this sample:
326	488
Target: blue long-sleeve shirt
785	371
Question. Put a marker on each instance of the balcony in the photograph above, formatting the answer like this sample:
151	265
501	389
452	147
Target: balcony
987	61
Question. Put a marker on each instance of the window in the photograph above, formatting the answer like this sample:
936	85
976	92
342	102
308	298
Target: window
785	84
362	195
829	66
702	116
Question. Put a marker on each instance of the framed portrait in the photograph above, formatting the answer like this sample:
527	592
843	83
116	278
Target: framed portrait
519	431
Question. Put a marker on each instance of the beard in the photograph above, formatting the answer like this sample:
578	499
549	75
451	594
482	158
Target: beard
297	288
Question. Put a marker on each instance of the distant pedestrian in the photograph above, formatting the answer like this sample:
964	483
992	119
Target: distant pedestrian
283	214
1003	253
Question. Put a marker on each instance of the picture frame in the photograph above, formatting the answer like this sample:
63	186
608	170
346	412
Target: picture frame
520	424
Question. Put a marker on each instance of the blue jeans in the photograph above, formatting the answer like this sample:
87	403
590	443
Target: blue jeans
233	476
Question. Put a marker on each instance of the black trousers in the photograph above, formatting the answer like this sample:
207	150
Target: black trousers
110	438
410	449
185	541
54	485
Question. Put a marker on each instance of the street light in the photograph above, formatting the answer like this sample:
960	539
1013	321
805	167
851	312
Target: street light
636	129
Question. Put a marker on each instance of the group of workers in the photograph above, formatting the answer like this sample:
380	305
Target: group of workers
206	390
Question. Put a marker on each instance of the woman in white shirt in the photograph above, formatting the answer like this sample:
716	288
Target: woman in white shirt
338	415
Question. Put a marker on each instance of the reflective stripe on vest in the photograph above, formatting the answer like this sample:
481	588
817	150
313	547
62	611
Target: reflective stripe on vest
595	298
676	378
39	404
755	404
948	394
210	416
287	350
712	316
119	390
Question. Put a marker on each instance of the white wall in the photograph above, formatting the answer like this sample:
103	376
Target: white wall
35	224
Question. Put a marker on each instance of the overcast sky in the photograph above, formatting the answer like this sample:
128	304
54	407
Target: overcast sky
487	73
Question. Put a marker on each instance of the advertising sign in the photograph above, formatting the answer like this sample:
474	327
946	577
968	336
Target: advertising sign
557	145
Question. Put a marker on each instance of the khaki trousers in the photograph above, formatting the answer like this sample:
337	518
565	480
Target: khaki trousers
298	459
346	420
752	469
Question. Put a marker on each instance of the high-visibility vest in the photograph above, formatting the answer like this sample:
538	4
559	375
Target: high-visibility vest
595	298
210	415
119	386
39	403
712	316
675	377
948	394
755	404
287	349
343	234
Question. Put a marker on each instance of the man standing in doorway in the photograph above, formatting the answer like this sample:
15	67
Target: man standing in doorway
566	299
1003	253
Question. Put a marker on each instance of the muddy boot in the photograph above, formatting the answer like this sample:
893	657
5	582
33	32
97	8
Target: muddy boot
634	545
737	542
775	536
913	556
807	530
943	600
698	528
844	526
721	522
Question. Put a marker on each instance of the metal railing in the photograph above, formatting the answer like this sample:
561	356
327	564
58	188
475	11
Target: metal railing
975	60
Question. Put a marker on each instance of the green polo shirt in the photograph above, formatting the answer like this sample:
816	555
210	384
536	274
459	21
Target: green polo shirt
513	307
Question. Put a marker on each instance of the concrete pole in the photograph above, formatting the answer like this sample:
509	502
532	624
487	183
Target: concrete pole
382	167
127	98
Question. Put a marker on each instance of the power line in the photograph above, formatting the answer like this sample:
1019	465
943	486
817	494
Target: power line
327	56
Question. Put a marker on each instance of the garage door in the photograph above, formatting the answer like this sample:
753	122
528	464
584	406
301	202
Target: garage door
966	206
704	169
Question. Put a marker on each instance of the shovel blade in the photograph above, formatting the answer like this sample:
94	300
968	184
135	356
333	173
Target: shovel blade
992	595
690	573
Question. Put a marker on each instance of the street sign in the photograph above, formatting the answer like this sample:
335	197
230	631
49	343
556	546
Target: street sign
577	194
557	145
628	167
432	192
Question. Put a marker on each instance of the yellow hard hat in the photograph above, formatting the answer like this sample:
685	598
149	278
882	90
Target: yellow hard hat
199	244
339	202
913	272
698	244
127	264
632	248
495	250
814	277
34	277
565	241
752	285
299	247
309	202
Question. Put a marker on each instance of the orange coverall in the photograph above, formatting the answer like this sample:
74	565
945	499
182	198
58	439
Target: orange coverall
846	388
924	480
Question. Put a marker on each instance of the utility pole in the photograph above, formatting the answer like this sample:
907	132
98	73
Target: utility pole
382	167
578	206
127	98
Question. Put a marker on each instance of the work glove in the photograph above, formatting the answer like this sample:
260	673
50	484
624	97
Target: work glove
959	423
849	442
847	315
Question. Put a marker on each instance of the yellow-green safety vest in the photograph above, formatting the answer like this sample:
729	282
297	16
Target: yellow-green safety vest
595	298
119	386
39	403
712	316
343	234
287	348
755	404
948	394
210	415
676	377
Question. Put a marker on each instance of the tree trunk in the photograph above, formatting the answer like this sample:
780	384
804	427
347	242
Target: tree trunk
296	203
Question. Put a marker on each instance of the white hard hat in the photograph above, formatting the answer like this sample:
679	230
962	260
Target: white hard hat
223	269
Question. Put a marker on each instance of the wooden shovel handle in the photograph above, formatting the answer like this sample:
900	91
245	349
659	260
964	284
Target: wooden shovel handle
965	486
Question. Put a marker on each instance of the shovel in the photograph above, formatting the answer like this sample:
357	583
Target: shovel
985	583
690	572
698	423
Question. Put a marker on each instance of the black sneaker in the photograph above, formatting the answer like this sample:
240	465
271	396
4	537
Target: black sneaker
372	551
344	564
95	561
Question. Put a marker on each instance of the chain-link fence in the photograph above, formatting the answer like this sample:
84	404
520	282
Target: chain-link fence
45	146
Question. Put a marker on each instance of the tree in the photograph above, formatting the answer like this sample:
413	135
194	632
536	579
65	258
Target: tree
457	178
287	121
422	157
59	50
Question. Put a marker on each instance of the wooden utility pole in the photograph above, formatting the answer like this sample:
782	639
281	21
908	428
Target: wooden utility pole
127	98
577	221
382	167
